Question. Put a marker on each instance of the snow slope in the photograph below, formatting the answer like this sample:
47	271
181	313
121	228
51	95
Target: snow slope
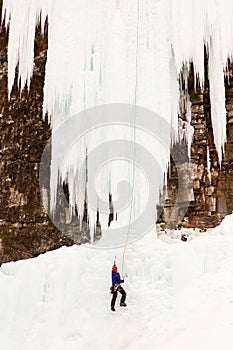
180	295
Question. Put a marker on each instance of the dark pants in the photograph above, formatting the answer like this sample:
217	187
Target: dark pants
114	296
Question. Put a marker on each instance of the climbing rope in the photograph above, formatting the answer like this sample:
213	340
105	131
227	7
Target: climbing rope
134	139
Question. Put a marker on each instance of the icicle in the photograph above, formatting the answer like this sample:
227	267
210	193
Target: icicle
208	164
186	130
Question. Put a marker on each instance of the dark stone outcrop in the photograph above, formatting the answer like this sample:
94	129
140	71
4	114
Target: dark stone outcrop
25	229
211	186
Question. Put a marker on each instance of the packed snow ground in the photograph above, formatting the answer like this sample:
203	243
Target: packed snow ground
179	296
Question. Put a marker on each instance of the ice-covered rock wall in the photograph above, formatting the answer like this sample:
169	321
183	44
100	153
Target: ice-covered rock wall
130	52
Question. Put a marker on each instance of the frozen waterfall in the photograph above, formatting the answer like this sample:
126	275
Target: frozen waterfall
120	52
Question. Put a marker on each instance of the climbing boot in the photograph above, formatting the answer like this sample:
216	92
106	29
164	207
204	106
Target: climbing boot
123	304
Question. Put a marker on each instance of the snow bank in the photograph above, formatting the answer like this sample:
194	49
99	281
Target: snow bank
61	299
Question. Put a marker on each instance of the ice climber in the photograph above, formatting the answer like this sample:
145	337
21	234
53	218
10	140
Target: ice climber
116	287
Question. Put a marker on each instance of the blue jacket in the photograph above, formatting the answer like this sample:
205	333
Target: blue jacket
116	278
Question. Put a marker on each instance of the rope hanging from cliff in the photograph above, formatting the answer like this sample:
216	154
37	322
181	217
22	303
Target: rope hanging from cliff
134	137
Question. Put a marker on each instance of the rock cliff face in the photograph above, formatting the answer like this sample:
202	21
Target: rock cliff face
25	229
208	190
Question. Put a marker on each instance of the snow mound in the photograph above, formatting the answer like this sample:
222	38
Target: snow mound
178	295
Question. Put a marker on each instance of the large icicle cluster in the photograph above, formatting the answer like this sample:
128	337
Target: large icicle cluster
92	49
